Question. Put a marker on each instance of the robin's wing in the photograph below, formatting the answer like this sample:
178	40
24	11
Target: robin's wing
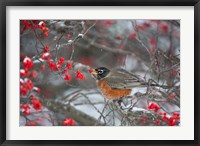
123	80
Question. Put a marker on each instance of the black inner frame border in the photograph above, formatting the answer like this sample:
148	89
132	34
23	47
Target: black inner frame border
5	3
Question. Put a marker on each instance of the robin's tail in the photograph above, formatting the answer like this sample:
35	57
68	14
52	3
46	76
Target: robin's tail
155	85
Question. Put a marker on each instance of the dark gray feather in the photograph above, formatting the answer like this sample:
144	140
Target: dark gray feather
122	79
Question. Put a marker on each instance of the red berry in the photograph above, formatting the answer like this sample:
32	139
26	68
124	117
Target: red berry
61	60
68	36
157	121
43	67
172	122
68	122
58	66
46	49
80	75
27	63
152	41
34	74
32	96
46	56
164	27
171	96
165	118
36	89
69	65
52	66
119	37
153	106
36	104
31	124
46	34
91	70
67	77
133	36
108	23
22	73
25	109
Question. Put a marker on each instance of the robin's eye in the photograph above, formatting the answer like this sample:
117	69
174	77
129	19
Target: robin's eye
100	71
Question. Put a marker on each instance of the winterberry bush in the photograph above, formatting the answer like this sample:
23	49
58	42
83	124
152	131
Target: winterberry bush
57	56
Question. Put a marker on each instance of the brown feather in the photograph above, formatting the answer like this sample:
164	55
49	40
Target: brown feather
112	94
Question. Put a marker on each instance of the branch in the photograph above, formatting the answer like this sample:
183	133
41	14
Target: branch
72	112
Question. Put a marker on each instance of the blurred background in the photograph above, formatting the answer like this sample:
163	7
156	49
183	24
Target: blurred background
148	48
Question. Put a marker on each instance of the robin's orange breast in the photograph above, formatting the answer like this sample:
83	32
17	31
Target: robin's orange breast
110	93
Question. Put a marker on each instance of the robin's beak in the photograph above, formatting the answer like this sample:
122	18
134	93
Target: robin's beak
94	72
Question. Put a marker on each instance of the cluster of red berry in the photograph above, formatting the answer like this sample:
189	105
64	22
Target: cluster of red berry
36	24
165	118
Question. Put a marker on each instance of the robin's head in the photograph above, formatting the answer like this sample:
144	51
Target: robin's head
100	72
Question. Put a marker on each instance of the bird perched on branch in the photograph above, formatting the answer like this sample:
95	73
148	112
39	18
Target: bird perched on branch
115	84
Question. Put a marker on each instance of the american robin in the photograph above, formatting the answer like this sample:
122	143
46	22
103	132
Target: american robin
115	84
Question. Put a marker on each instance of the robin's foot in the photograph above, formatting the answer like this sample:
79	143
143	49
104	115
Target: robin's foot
125	107
119	103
